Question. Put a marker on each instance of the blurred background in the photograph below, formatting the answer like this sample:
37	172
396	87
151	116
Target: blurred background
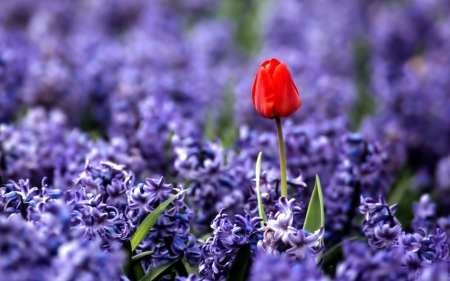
118	79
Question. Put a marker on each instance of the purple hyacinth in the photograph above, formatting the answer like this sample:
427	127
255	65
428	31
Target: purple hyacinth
84	260
424	213
363	263
214	183
415	251
227	238
415	122
24	256
283	236
362	169
421	250
379	225
170	237
55	250
280	268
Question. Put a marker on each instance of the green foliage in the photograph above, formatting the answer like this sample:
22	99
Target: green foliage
223	126
141	256
315	217
132	269
403	195
157	273
261	212
239	267
150	220
244	17
365	103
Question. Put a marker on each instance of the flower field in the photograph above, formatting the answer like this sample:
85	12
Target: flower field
224	140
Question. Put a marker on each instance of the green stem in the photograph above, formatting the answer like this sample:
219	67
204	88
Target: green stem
282	157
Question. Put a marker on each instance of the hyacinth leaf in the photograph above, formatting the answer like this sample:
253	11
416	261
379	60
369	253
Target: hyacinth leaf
403	195
239	267
261	212
137	272
150	220
141	256
126	247
157	273
133	270
314	219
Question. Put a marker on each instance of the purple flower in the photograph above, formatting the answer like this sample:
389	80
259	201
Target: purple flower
220	249
275	267
304	244
282	236
380	225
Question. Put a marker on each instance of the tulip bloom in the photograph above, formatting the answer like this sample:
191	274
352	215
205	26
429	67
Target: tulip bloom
274	93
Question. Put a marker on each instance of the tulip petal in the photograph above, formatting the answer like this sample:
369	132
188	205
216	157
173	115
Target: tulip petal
263	94
271	65
287	99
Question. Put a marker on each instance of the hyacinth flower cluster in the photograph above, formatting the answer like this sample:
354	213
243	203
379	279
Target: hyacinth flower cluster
55	250
214	183
102	210
43	145
283	236
227	238
415	251
363	169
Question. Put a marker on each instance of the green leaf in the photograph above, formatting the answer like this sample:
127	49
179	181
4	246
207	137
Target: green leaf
126	267
261	212
139	257
238	270
150	220
403	195
314	219
138	272
132	270
157	273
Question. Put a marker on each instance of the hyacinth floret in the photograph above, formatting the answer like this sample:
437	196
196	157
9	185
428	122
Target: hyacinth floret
17	196
227	238
282	237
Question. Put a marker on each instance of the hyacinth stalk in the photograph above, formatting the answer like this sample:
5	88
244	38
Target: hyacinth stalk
282	158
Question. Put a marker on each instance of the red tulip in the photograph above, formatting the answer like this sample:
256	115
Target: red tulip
274	93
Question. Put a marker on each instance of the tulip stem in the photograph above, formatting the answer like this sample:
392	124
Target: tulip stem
282	157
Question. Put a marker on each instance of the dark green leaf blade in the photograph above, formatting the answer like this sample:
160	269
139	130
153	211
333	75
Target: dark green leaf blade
126	247
239	267
156	273
137	271
139	257
315	217
150	220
